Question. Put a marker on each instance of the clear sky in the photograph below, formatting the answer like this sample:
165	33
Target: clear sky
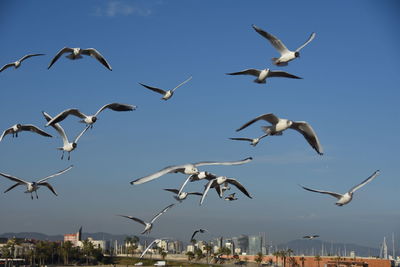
349	94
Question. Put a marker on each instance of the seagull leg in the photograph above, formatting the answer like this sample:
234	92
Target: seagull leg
36	195
62	156
31	196
69	155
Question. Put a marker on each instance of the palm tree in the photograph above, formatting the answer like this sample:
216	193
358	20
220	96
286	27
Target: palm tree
208	249
66	250
318	259
283	256
190	255
302	259
259	258
163	255
276	255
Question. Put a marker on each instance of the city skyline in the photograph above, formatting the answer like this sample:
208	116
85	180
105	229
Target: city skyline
349	94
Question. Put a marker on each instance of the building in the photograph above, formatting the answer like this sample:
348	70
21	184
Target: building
74	238
241	244
104	245
255	244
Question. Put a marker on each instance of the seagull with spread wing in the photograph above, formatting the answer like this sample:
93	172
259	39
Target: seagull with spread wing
286	54
262	75
180	196
76	53
15	129
231	197
190	168
89	119
155	241
344	199
167	94
67	145
17	63
279	125
148	225
253	141
33	186
310	236
197	231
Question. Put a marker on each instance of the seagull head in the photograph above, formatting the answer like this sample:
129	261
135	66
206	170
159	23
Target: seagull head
297	54
74	145
94	119
18	126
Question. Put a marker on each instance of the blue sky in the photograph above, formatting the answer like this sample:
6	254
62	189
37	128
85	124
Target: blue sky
349	95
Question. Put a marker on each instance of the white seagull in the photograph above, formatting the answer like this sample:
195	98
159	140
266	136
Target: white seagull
180	196
67	145
17	63
15	129
286	54
166	94
347	197
76	53
262	75
155	241
310	236
148	225
89	119
231	197
190	168
253	141
223	180
279	125
34	186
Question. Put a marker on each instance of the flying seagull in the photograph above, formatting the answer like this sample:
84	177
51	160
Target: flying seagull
262	75
310	236
197	231
17	63
15	129
286	54
223	180
182	195
279	125
166	94
76	53
347	197
190	168
148	225
67	145
89	119
34	186
253	141
155	241
231	197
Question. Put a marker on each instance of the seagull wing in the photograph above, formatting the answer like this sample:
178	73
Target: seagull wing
7	66
241	139
62	115
13	178
59	54
269	117
253	72
366	181
30	55
161	212
175	191
239	186
135	219
49	187
155	89
336	195
184	183
203	163
7	131
33	128
149	246
96	54
12	187
57	127
309	134
312	36
272	39
155	175
195	193
206	189
56	174
194	233
282	74
116	107
182	83
79	136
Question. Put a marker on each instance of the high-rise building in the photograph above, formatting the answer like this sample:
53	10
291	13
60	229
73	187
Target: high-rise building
255	244
242	243
74	238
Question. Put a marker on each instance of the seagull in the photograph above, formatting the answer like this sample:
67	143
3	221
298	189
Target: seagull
34	186
76	53
155	241
197	231
262	75
286	54
89	119
253	141
310	236
67	145
347	197
190	168
279	125
15	129
182	195
17	63
166	94
148	225
231	197
222	180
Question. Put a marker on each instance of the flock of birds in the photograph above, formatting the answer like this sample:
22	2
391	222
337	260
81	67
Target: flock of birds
220	183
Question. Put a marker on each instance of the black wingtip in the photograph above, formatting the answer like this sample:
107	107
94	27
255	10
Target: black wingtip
133	182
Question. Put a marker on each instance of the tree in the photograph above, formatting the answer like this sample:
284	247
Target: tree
87	249
318	259
199	253
276	254
259	258
208	249
66	249
163	255
302	259
190	255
